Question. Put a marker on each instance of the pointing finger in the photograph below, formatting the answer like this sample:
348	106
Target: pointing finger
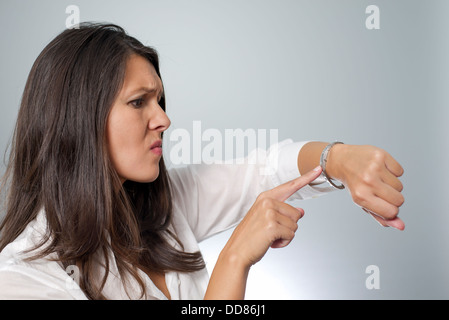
284	191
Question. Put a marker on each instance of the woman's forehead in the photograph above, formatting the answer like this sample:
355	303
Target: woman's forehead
140	73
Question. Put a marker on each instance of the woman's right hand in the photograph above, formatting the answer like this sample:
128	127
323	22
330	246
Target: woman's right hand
269	223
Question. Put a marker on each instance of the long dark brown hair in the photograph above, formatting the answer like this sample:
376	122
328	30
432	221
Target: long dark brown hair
59	162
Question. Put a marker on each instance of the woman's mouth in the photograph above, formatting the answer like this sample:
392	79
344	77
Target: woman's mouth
156	147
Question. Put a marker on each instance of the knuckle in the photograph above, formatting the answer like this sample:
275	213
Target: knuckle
378	155
395	211
292	184
358	197
401	200
368	178
296	217
392	213
375	167
261	196
292	235
266	202
270	215
270	227
295	227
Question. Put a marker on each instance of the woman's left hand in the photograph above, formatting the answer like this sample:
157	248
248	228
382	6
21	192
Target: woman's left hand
371	175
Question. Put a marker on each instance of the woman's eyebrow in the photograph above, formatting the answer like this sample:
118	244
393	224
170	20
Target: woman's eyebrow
146	90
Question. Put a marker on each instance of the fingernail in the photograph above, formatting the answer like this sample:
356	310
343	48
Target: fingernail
389	224
317	168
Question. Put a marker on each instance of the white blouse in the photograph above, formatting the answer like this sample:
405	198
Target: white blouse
207	199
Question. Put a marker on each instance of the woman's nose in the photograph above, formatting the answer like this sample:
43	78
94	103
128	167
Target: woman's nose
159	120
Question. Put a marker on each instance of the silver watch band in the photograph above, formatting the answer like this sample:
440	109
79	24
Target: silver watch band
323	162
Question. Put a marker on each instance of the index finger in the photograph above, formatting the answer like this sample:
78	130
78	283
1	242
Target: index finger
285	190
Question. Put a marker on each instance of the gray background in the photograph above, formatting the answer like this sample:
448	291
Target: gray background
313	71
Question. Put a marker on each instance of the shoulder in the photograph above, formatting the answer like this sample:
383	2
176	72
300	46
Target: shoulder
35	278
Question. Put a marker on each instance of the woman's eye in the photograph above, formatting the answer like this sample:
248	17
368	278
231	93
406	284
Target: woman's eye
137	103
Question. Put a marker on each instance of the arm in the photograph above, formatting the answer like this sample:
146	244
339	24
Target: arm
216	197
269	223
228	279
370	174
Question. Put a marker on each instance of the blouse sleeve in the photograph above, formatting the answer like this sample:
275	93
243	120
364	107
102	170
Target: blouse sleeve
216	197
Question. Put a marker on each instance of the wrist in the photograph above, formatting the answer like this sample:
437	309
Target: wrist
234	260
228	279
335	162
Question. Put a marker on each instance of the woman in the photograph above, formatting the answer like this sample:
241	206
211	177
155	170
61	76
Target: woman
93	213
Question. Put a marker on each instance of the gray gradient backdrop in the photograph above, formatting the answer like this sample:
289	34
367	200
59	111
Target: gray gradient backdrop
313	71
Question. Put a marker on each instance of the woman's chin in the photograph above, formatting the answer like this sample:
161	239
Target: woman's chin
145	178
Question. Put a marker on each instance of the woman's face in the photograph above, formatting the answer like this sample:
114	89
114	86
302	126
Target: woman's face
136	122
